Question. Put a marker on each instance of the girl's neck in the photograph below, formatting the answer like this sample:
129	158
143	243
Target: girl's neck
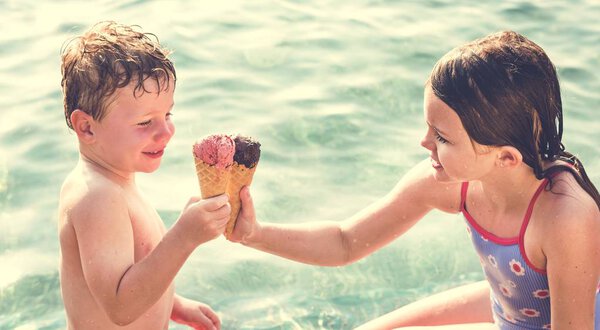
509	189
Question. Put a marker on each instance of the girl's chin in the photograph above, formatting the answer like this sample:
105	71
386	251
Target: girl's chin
441	176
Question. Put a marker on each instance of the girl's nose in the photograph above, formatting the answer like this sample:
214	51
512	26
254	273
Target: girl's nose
427	142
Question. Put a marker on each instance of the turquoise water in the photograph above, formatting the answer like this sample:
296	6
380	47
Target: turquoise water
333	90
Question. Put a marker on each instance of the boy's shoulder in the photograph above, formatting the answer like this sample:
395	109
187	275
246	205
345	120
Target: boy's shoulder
85	194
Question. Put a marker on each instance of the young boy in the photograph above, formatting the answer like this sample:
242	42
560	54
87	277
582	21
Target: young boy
118	261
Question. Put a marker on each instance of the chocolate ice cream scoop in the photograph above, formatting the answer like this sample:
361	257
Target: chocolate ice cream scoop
247	151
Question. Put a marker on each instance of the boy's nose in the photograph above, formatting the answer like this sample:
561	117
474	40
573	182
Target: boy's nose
165	132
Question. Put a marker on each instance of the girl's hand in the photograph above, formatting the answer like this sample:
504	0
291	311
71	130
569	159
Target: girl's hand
195	314
246	226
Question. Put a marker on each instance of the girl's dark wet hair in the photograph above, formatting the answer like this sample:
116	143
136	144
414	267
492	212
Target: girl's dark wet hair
107	57
505	90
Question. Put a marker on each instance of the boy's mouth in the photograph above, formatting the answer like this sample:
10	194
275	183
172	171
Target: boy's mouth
154	154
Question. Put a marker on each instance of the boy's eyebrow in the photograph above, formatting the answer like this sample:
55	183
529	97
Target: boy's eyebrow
151	111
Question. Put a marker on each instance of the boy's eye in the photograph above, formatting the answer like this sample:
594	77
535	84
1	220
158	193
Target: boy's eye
149	121
440	138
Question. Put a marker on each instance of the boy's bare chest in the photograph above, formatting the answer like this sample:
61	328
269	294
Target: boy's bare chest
148	228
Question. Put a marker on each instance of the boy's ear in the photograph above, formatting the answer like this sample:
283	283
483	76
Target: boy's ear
509	157
82	125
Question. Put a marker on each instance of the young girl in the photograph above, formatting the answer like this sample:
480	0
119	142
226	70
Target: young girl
494	117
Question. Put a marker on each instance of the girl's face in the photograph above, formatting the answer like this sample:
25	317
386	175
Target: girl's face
134	133
454	156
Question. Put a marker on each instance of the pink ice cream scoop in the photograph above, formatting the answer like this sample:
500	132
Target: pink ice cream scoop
217	150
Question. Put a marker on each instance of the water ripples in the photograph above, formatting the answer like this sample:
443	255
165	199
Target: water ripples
333	91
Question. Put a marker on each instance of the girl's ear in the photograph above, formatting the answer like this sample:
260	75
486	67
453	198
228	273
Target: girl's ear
82	125
509	157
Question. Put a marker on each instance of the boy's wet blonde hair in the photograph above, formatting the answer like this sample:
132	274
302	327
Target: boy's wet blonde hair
107	57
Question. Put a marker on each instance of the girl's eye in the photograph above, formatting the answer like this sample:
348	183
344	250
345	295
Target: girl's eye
440	138
169	115
145	123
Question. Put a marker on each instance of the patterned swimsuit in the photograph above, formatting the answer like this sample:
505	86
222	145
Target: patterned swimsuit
520	294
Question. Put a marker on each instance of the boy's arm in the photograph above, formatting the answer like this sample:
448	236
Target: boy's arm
123	288
572	251
339	243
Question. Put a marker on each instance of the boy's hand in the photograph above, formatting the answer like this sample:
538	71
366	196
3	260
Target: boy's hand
195	314
246	226
203	220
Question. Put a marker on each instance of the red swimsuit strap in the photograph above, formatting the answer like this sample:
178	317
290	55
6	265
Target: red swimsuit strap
526	219
463	195
527	216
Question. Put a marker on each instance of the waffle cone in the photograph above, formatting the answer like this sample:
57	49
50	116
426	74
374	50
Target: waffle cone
240	176
213	181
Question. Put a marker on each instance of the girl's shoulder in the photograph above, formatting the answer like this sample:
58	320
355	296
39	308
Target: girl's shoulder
568	223
421	187
564	191
565	203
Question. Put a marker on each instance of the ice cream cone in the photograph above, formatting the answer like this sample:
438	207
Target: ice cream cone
213	181
240	176
213	156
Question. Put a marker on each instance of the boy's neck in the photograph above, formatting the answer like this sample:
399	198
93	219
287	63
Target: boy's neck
104	169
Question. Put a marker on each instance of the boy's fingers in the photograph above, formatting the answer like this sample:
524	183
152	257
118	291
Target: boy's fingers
211	315
215	203
215	320
223	212
193	200
205	323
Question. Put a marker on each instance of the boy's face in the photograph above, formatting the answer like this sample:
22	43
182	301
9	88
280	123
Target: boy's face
134	133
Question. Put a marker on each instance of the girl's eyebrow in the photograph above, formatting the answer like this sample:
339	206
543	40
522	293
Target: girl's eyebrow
440	132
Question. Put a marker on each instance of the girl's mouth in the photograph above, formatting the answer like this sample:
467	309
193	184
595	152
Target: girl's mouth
435	164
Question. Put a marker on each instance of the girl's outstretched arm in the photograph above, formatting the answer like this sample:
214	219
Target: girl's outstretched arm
339	243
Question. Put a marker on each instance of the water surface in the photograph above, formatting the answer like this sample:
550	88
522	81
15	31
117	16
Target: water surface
332	89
